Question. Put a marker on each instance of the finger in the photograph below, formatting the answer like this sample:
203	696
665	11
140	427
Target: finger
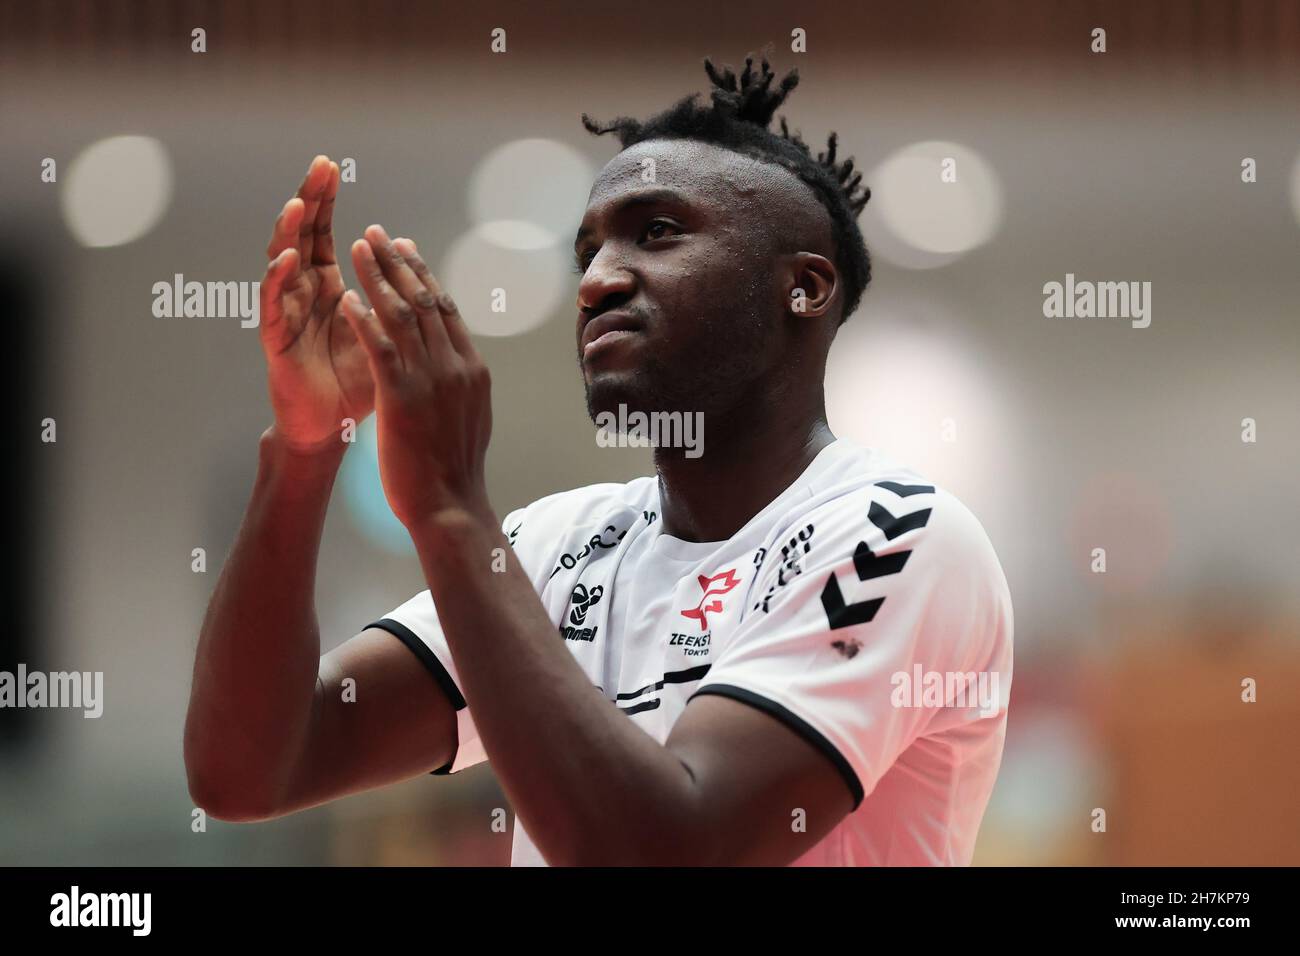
397	317
323	238
432	324
286	237
404	280
279	272
310	192
284	234
383	355
457	331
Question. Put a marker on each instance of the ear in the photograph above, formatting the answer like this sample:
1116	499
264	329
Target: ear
811	288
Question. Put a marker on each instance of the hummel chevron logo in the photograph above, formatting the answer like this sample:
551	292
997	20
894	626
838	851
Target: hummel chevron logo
841	615
904	490
893	527
869	565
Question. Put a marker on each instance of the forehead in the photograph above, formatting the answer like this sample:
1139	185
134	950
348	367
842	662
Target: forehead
703	174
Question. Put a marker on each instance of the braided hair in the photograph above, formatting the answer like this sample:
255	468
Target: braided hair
739	118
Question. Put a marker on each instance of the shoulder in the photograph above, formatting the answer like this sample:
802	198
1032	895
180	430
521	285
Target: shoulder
871	498
552	516
885	536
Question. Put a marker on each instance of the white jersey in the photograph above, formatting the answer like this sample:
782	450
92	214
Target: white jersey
863	607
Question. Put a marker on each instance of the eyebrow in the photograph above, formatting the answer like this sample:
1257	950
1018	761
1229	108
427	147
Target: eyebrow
646	197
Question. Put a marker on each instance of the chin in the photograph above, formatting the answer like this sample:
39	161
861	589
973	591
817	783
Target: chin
607	391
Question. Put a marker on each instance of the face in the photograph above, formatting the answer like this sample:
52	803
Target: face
680	307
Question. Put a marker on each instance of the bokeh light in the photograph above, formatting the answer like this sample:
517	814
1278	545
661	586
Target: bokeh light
539	181
116	190
918	220
503	290
907	383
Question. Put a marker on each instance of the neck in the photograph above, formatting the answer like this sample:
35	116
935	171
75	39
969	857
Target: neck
746	464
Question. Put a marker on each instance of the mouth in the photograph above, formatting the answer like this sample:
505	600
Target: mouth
604	330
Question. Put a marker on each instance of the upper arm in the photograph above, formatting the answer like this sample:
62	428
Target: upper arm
378	717
764	793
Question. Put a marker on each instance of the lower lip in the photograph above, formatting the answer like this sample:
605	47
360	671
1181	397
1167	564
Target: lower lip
606	340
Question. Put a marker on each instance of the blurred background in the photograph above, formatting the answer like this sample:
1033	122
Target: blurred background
1062	435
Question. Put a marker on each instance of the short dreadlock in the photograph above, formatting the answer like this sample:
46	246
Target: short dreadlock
738	119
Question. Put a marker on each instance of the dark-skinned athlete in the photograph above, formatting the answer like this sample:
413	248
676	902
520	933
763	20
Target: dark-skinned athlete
786	649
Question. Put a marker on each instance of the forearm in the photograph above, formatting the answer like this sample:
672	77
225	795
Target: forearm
590	785
256	665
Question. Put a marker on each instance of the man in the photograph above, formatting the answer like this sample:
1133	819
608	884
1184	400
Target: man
704	667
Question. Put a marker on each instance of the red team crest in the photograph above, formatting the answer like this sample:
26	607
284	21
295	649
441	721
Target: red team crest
713	587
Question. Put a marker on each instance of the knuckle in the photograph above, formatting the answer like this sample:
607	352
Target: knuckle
404	314
424	300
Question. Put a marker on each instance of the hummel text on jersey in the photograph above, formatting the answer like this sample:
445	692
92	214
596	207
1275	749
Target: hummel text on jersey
579	633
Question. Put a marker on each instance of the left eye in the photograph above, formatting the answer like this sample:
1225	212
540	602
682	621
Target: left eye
656	229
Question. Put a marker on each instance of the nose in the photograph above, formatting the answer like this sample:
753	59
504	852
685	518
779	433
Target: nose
604	278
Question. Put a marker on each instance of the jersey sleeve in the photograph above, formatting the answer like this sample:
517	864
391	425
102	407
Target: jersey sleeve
415	623
867	595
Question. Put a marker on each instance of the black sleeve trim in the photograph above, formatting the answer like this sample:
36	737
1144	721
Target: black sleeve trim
795	723
426	656
430	661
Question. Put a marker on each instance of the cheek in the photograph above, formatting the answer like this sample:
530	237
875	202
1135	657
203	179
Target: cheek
746	274
682	292
704	282
712	299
